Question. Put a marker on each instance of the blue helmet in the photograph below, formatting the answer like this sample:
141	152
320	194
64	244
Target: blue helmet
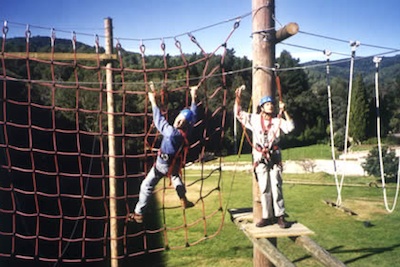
266	99
187	114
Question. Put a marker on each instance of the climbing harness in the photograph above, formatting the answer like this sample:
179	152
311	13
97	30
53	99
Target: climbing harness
270	153
180	155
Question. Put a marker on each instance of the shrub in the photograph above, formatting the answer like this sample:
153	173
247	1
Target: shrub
390	163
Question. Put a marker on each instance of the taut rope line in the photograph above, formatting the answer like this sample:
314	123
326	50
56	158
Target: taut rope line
328	83
354	46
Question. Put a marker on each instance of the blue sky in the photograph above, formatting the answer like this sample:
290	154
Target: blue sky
374	23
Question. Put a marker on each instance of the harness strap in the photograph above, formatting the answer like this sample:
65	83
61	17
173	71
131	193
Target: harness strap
178	154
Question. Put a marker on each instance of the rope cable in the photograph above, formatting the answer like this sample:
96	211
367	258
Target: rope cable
172	81
75	227
353	46
78	85
87	100
328	87
377	60
345	41
244	130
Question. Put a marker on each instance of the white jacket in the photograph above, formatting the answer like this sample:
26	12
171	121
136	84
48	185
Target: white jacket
266	133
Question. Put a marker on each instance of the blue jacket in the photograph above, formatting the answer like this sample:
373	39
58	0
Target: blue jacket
172	137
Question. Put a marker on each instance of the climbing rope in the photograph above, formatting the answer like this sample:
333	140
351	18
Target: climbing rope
353	46
377	60
60	208
328	85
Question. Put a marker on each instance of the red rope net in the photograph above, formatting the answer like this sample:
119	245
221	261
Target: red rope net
54	157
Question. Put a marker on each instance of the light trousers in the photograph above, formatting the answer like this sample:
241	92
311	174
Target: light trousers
270	185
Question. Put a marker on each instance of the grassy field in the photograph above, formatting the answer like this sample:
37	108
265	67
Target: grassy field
312	152
369	238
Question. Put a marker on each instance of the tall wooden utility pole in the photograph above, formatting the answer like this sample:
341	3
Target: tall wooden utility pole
111	147
264	39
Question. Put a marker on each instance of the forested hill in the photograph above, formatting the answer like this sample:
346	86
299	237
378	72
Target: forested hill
43	44
389	68
303	88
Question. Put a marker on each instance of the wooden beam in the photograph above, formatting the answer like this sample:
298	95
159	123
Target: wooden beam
344	209
58	56
263	238
270	251
318	252
274	231
243	219
297	232
287	31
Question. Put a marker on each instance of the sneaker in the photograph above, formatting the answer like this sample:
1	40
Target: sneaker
263	222
282	223
186	203
135	217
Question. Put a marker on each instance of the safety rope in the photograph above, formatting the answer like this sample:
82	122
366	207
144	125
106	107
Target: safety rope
244	132
377	60
332	139
353	46
278	82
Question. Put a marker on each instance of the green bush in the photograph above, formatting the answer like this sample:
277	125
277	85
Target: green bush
390	163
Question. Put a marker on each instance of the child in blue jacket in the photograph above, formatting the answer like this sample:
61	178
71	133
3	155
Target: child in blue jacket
167	162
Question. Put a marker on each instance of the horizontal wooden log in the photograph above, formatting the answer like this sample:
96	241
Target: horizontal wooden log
243	218
318	252
270	251
287	31
344	209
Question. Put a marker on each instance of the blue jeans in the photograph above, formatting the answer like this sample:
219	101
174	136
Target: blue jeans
159	170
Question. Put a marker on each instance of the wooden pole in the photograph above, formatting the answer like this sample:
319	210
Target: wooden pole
111	146
269	250
318	252
263	52
287	31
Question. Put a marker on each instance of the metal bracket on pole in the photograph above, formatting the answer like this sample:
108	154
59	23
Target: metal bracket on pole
354	45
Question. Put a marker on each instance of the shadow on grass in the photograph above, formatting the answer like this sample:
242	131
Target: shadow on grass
366	252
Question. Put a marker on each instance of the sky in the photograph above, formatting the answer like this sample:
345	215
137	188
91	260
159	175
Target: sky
323	24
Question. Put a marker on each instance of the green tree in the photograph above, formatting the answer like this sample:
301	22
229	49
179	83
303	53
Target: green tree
339	109
302	103
393	100
390	163
358	111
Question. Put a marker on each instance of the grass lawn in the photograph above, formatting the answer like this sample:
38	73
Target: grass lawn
370	238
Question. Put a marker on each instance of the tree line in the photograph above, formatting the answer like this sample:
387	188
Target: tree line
304	90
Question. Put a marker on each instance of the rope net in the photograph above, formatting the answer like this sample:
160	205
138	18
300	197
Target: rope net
54	185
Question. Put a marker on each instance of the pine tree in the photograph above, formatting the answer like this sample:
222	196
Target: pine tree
358	111
307	108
